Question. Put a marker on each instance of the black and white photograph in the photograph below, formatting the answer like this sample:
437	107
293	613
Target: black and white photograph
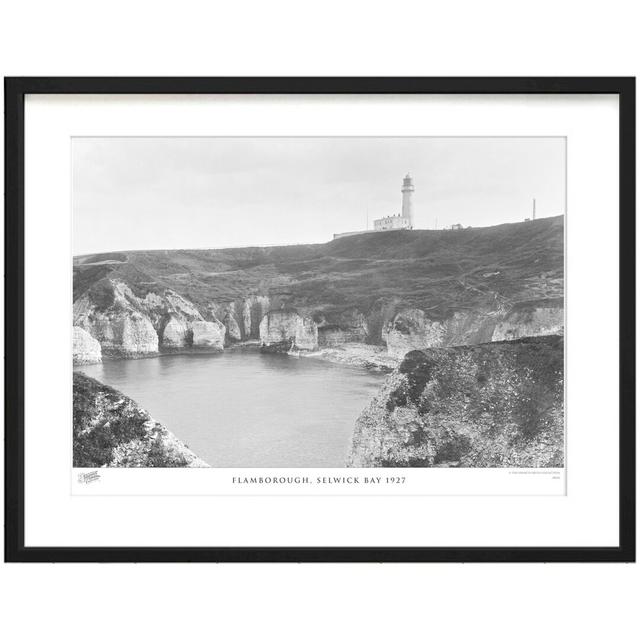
318	302
321	320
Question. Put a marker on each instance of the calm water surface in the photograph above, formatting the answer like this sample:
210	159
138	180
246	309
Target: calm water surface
241	408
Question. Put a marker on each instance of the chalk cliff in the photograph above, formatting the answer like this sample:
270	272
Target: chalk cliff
86	350
125	324
287	330
177	333
350	326
498	404
129	325
110	430
208	334
412	329
234	334
531	320
401	290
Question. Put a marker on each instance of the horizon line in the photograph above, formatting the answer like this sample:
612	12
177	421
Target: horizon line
299	244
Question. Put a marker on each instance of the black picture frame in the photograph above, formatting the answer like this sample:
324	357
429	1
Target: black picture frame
15	91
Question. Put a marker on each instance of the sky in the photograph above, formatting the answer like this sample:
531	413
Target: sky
183	193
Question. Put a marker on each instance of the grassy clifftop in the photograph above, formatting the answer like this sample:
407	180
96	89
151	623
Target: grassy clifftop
437	271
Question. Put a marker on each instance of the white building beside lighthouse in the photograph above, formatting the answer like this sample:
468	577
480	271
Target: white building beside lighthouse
402	220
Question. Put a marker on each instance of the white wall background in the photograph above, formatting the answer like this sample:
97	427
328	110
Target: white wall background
329	38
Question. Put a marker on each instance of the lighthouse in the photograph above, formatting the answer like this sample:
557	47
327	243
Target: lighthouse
407	200
397	221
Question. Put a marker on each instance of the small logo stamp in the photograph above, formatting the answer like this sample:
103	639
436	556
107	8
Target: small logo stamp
88	477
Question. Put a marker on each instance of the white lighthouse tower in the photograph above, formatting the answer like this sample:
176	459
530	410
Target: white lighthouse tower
407	200
397	221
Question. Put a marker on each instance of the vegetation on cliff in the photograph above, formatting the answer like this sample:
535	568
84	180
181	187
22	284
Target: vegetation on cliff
110	430
440	272
498	404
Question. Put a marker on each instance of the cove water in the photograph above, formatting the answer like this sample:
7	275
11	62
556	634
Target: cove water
242	408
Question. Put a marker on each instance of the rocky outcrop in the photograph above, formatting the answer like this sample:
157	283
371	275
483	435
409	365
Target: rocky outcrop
241	317
348	327
498	404
208	334
132	325
86	350
287	330
110	430
161	308
177	334
234	334
123	333
124	326
254	309
137	335
129	325
356	354
527	320
412	329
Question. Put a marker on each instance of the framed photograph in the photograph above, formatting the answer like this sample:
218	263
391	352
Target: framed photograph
320	319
